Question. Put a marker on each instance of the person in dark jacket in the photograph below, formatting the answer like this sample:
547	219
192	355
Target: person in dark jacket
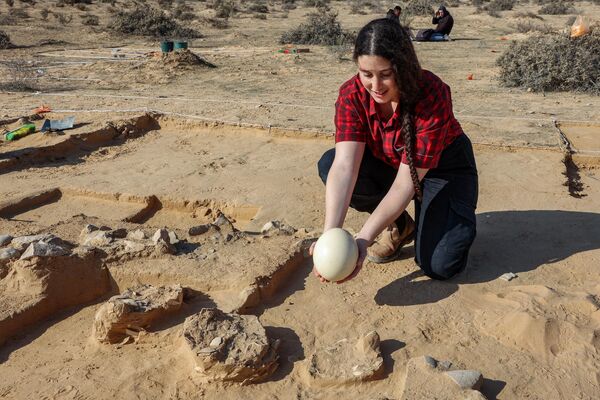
444	21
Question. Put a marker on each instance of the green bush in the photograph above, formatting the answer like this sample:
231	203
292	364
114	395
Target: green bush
321	28
557	8
553	63
148	21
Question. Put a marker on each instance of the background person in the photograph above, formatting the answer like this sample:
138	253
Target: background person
397	138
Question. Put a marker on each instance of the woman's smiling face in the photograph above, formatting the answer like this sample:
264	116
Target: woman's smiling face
377	76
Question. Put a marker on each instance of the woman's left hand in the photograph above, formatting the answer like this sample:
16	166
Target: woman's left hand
362	254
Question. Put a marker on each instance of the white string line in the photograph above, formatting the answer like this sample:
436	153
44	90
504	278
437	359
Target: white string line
191	99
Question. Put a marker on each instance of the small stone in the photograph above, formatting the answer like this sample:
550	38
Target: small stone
161	234
509	276
9	253
42	249
466	379
138	234
222	220
5	239
22	242
198	230
133	247
163	247
89	228
173	238
444	365
216	342
276	227
432	362
120	233
97	238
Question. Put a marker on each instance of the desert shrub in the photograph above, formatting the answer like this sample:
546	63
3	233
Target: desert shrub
165	3
223	8
219	23
499	5
62	18
10	3
77	3
356	7
149	21
419	7
553	63
30	2
259	8
287	5
493	13
321	28
90	20
259	16
530	26
5	42
19	13
44	12
478	3
8	20
317	3
21	76
557	8
528	14
81	7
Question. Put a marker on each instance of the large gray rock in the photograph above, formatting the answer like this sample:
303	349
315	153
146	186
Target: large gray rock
346	362
134	310
22	242
138	234
97	238
161	234
229	347
466	379
5	239
42	249
9	253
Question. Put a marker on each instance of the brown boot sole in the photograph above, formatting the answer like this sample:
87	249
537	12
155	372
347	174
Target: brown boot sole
395	254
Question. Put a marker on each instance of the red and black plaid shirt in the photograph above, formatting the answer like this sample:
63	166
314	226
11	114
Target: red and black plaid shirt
356	120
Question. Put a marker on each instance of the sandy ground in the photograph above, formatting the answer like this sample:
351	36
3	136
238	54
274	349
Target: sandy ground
534	337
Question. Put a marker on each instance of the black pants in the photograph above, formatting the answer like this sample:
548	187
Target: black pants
445	218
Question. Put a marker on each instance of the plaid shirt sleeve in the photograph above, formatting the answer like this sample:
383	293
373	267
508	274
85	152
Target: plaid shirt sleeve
349	127
433	119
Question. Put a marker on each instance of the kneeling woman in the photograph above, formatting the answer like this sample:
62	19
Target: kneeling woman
397	139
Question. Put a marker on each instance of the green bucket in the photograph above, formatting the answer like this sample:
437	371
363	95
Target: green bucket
180	45
166	46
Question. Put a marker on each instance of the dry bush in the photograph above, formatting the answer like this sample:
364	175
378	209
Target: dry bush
528	14
10	3
147	21
30	2
557	8
223	8
19	75
317	3
8	20
19	13
259	16
553	63
499	5
287	5
90	20
81	7
356	7
165	4
321	28
76	3
258	8
62	18
44	12
5	42
419	8
531	26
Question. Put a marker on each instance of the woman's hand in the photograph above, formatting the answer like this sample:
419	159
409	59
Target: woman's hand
311	249
362	254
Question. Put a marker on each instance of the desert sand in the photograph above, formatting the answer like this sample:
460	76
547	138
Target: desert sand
212	155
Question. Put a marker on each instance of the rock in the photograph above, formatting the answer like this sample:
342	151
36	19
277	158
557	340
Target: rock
509	276
229	347
42	249
466	379
9	253
120	233
431	361
423	381
277	228
345	362
5	239
173	238
163	247
89	228
199	229
22	242
135	309
138	234
444	365
37	288
98	238
161	234
133	247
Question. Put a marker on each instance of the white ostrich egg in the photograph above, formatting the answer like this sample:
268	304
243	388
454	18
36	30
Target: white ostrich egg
335	254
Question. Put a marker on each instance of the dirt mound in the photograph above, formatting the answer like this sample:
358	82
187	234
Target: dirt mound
183	58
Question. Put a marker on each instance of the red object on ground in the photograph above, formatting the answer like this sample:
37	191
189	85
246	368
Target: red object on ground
42	109
470	77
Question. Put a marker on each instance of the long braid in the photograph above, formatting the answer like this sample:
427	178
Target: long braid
408	134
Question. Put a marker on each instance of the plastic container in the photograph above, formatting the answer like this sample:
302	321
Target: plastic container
166	46
180	45
19	132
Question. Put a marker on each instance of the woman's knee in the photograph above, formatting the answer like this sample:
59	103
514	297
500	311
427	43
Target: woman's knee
444	267
324	164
